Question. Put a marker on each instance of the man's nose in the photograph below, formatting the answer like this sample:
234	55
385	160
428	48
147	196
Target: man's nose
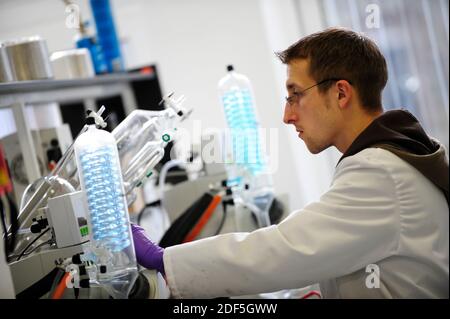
289	115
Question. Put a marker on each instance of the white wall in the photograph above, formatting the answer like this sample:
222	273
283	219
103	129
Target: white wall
285	22
192	42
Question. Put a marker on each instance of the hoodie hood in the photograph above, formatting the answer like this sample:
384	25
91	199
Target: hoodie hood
399	132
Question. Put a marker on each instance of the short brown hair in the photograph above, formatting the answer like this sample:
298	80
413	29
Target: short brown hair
343	54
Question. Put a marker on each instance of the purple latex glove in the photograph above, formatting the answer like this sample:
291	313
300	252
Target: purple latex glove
148	254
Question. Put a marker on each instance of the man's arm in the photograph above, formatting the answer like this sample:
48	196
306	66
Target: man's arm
354	224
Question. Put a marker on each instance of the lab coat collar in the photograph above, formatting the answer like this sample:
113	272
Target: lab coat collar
399	132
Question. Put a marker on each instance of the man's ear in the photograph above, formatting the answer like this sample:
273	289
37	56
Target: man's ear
345	93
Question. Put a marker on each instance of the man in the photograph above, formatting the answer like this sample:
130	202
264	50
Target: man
386	210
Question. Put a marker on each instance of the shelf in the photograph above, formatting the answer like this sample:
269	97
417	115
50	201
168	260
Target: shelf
16	95
42	91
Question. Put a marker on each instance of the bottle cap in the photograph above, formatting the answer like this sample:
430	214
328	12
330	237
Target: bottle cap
230	67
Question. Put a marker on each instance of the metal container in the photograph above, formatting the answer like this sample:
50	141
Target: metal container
5	69
28	58
72	64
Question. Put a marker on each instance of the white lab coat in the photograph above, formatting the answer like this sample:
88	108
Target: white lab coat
378	210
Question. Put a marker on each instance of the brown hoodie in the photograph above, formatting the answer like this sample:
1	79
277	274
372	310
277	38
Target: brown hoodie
399	132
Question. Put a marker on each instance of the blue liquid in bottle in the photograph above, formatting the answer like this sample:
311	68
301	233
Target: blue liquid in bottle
105	198
238	104
111	246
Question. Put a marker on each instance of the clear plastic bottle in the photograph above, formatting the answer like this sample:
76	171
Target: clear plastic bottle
238	102
247	171
111	238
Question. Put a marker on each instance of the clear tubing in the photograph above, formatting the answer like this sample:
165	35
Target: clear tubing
146	170
139	162
161	182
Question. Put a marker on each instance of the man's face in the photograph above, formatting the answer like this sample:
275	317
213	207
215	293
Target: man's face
314	114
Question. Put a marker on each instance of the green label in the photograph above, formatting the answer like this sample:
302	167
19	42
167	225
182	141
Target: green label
84	231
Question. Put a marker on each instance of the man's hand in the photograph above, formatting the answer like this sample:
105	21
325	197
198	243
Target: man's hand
148	254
